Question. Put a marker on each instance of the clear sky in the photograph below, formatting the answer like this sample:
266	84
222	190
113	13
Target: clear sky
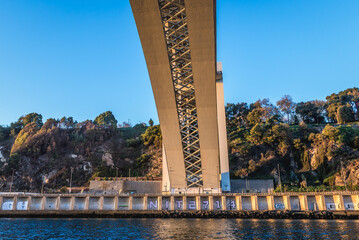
81	58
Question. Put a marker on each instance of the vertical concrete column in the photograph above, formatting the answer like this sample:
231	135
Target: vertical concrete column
130	203
172	203
210	203
270	201
286	201
14	203
57	203
355	199
198	203
116	203
254	200
239	202
338	199
43	202
184	199
101	203
145	200
72	203
224	203
303	199
87	202
0	203
321	202
28	203
159	203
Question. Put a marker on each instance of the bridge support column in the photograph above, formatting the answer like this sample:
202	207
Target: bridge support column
222	132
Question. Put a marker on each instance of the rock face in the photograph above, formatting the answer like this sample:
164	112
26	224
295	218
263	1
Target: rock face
349	175
48	154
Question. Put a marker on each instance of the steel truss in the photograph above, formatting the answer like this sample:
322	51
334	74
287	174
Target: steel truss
173	13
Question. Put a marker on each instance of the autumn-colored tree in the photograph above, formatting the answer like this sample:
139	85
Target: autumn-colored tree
286	106
261	111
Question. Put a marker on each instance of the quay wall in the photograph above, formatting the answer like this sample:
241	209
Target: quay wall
336	201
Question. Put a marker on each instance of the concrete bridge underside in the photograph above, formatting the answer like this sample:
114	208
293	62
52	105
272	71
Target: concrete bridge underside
179	43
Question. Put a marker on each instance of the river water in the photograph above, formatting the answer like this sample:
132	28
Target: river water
177	229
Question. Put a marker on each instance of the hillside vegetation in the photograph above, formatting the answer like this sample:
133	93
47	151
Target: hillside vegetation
314	145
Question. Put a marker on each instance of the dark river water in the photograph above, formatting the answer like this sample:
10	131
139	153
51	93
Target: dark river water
177	229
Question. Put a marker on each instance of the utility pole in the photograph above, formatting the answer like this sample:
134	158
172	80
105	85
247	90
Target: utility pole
280	181
12	179
345	183
42	184
129	172
116	173
71	178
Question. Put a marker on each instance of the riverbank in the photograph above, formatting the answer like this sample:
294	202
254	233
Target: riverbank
183	214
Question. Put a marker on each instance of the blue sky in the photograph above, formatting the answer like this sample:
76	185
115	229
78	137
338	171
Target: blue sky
81	58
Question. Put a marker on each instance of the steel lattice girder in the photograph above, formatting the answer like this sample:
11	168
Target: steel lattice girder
173	14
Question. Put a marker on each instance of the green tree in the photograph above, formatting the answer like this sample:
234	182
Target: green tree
310	112
4	133
24	120
348	97
345	114
106	119
153	136
150	122
236	114
32	117
67	122
256	116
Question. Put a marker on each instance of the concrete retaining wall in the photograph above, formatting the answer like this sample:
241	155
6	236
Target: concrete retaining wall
229	202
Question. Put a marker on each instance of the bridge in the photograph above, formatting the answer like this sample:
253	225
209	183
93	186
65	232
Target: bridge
178	38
